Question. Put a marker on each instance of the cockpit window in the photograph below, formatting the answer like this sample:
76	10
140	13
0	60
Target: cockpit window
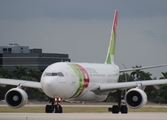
60	74
54	74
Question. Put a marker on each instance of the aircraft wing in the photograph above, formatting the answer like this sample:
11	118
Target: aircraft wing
24	83
141	68
126	85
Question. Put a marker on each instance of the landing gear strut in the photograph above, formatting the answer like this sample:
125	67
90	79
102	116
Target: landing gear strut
119	108
54	107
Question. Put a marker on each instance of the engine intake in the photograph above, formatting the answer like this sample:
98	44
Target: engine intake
135	98
16	98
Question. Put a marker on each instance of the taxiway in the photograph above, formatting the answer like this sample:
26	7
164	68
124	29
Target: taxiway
83	116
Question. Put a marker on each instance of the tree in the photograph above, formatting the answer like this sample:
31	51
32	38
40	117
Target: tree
145	75
125	77
164	75
5	73
35	73
162	93
19	72
136	73
141	75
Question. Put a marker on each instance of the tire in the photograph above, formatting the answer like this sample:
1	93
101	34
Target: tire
58	109
49	109
124	109
115	109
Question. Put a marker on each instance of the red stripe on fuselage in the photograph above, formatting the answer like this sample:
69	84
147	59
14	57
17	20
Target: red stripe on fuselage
85	74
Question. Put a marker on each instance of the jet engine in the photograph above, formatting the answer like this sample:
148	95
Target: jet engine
135	98
16	97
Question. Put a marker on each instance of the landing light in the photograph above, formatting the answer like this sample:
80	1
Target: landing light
58	100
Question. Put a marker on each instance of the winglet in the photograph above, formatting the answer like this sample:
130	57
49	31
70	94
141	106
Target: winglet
111	48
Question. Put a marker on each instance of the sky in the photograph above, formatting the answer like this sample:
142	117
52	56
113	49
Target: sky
81	28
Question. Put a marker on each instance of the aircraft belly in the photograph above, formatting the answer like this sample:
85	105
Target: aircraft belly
91	96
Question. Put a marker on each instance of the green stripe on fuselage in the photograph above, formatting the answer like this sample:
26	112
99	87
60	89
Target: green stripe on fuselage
80	77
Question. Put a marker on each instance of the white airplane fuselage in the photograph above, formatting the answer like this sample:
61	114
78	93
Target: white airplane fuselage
75	81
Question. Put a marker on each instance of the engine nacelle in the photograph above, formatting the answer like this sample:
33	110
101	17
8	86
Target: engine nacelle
16	98
135	98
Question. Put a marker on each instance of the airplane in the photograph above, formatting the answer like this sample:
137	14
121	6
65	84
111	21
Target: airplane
84	82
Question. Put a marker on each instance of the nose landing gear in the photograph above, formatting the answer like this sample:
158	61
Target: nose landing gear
55	106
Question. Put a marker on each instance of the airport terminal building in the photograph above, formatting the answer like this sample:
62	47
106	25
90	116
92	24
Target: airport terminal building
16	55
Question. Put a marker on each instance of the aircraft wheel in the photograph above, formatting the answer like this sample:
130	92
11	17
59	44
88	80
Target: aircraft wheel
115	109
124	109
58	109
49	109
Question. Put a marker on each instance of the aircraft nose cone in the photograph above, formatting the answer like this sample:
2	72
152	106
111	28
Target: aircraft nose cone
48	85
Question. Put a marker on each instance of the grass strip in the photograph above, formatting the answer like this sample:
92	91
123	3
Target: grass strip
41	109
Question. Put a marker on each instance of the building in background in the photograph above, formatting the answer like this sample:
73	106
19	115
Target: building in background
16	55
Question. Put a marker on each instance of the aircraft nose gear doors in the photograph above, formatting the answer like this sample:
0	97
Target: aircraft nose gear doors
54	107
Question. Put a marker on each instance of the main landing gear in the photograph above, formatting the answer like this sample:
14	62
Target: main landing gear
54	108
115	109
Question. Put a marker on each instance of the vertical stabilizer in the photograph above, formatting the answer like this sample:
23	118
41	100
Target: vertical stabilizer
111	48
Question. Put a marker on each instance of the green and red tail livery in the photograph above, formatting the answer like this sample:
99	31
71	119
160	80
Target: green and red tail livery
111	48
